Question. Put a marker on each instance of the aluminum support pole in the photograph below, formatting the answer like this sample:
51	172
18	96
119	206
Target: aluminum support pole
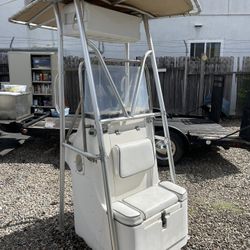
82	90
122	119
62	116
110	79
184	96
83	37
127	64
138	83
73	121
161	100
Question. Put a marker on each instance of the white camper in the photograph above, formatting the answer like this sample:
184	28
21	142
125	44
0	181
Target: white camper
119	201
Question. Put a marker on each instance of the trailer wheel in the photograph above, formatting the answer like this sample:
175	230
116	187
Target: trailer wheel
177	146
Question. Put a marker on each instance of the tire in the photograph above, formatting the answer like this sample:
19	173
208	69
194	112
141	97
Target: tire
178	148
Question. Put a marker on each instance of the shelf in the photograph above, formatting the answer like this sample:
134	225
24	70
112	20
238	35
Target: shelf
41	68
41	81
41	75
37	106
39	94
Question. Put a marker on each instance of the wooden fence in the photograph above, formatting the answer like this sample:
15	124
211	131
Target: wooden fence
4	68
186	83
72	95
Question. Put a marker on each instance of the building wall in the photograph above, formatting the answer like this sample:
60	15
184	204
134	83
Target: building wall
225	21
8	30
23	37
222	20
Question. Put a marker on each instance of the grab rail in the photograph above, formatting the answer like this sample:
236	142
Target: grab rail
138	83
105	68
79	151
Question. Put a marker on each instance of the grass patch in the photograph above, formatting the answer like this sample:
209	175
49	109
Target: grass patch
226	206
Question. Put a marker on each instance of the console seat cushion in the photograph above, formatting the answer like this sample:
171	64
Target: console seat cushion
133	157
151	201
126	215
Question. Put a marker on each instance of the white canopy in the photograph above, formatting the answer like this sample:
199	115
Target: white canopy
40	12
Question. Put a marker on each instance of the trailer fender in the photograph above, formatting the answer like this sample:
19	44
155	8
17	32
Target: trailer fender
183	136
180	145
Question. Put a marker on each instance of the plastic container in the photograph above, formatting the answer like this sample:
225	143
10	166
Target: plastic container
54	113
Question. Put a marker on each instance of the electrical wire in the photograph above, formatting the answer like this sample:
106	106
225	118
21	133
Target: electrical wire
159	44
167	47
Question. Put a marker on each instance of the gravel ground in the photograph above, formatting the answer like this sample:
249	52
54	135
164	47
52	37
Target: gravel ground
217	182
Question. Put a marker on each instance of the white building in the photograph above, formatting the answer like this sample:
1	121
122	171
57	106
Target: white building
221	29
20	36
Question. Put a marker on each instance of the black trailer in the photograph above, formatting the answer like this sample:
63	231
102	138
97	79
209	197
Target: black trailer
39	125
18	125
186	132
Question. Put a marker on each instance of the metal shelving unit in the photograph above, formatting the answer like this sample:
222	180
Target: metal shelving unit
4	68
42	94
